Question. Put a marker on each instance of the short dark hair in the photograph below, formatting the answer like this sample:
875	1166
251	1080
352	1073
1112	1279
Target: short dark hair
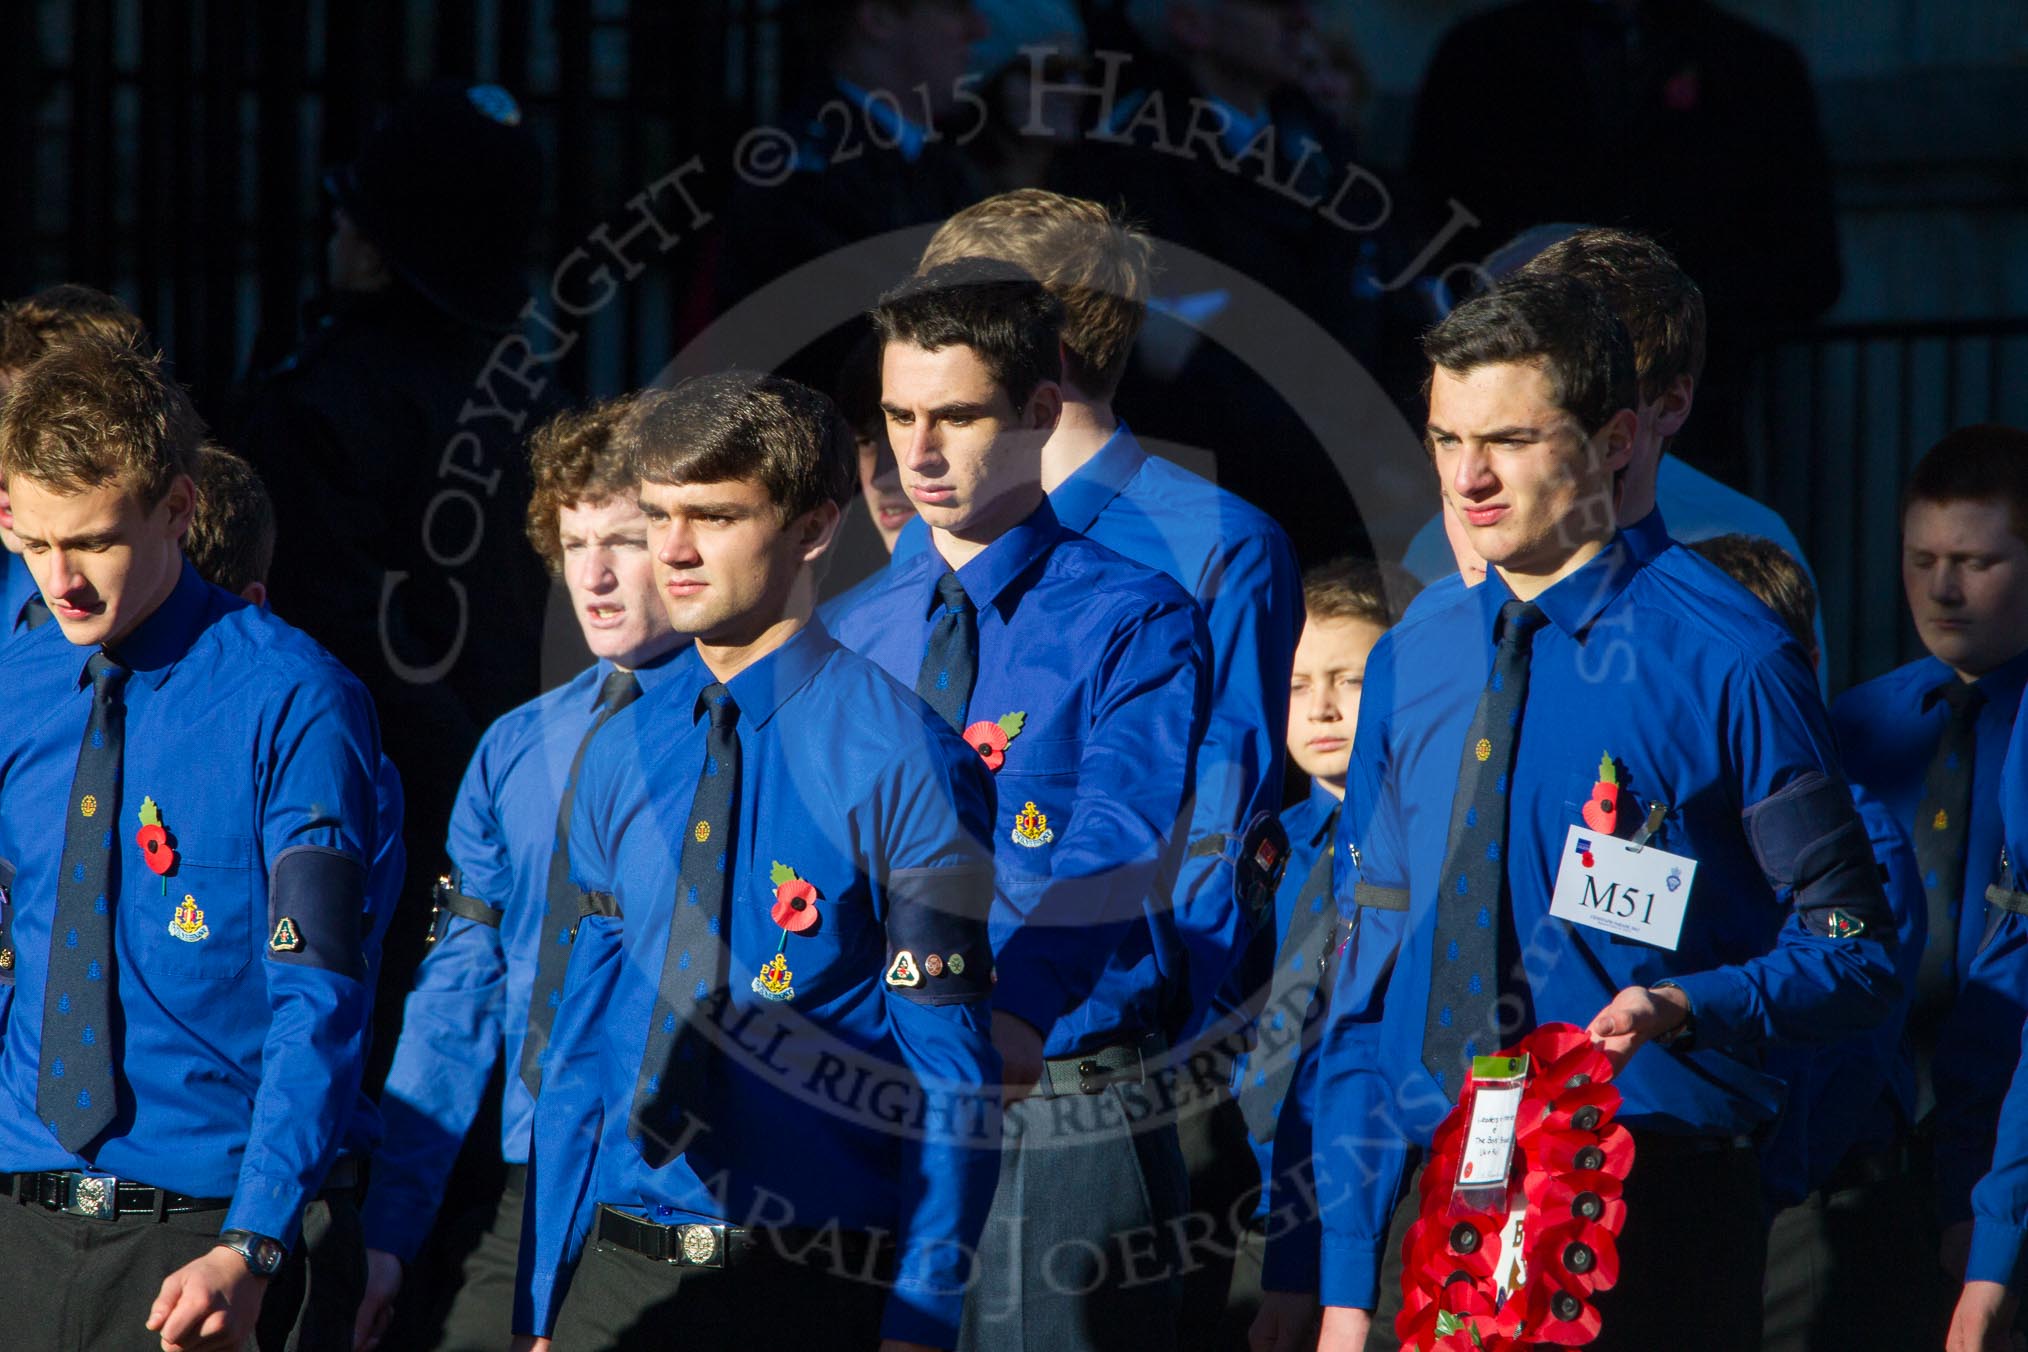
1772	574
740	425
857	388
1359	589
1558	321
1986	462
1662	308
572	460
988	305
231	541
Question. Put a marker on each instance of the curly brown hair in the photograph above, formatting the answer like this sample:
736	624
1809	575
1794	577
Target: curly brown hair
575	460
94	412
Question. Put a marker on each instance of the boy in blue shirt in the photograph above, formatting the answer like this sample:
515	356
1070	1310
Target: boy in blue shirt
765	1111
186	1004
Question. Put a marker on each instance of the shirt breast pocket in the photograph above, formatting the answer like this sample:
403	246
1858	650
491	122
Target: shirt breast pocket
1035	789
204	928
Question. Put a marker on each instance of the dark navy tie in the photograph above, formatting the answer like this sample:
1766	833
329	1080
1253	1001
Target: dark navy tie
1943	819
951	664
34	612
561	905
1464	984
75	1092
1298	965
674	1066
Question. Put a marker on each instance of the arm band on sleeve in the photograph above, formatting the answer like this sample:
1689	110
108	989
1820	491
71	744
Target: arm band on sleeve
599	903
317	910
941	913
448	898
1262	855
1380	898
1808	838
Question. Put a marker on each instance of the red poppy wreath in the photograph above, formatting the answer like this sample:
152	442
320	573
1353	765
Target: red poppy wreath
1523	1275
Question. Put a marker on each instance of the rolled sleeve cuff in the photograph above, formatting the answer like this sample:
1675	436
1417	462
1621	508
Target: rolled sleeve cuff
1996	1254
1350	1273
268	1206
922	1314
1726	1006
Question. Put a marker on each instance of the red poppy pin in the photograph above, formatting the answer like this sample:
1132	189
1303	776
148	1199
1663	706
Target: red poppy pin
795	908
153	838
1602	810
989	737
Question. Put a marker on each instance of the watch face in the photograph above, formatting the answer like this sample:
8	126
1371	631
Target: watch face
268	1255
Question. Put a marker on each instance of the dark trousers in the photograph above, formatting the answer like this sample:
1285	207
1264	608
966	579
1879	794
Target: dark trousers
1224	1191
1691	1255
622	1302
1081	1247
71	1284
1856	1266
471	1308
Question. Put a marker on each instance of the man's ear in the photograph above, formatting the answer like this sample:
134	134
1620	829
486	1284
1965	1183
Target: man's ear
1045	406
816	529
1672	410
1615	441
255	594
180	504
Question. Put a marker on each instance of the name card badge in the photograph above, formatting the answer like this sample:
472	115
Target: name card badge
1488	1151
1633	892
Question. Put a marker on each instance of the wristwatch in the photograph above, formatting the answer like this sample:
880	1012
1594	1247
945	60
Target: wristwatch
1684	1035
263	1256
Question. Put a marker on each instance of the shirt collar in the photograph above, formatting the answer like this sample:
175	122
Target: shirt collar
1000	563
159	642
1649	536
767	685
1325	804
886	114
16	586
1572	604
650	673
2001	686
1079	499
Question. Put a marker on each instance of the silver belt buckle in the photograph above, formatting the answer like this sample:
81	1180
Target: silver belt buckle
700	1246
93	1196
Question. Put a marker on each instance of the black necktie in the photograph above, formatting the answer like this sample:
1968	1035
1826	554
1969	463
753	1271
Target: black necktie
1943	819
951	664
560	912
1464	981
75	1091
34	611
673	1067
1298	965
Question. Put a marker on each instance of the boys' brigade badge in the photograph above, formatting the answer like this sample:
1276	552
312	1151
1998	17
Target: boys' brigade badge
903	971
188	922
1031	828
286	938
773	981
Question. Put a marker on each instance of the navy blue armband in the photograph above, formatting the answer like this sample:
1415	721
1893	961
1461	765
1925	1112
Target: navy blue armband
937	949
1258	855
595	903
317	910
1808	838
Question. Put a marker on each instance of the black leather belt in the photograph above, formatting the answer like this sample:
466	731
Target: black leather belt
106	1198
1093	1071
699	1245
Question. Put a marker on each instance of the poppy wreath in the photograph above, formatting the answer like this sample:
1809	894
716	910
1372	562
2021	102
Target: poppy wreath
1565	1213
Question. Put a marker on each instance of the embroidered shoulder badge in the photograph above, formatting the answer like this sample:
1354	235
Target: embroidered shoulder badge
188	922
286	938
989	737
1031	828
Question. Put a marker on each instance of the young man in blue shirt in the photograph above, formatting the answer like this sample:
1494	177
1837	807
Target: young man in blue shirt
1928	739
1080	679
766	1110
1574	700
1347	605
493	975
185	1003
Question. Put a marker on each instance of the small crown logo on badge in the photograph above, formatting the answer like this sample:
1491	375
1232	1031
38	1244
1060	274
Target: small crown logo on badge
188	922
1031	828
1675	879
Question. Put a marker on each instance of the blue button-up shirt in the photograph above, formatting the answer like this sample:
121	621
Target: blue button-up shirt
16	586
1107	660
2000	1201
1635	662
1241	570
240	1066
1308	838
1888	735
473	988
850	1105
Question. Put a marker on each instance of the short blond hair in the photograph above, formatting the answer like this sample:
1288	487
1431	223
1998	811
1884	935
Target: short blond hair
1096	266
94	412
62	314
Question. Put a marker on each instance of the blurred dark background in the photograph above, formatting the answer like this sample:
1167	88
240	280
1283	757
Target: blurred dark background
173	152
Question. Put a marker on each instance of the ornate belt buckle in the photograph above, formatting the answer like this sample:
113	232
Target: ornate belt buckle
93	1196
698	1246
